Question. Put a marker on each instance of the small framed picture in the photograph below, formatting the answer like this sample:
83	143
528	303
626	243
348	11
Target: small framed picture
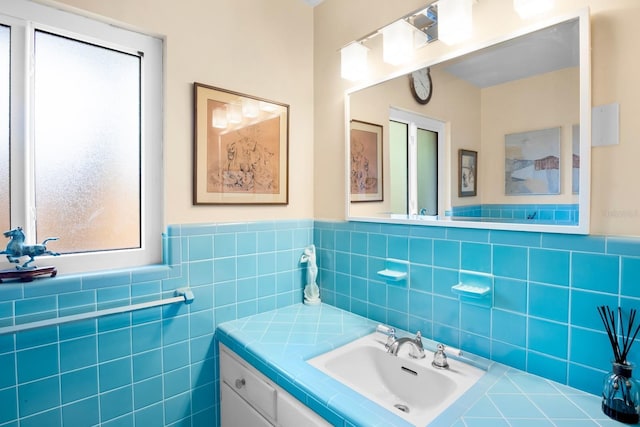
467	173
366	162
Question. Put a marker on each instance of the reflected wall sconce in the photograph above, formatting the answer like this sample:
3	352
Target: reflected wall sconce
530	8
219	118
234	113
250	108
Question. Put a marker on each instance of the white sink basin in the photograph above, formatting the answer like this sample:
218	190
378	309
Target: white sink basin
410	388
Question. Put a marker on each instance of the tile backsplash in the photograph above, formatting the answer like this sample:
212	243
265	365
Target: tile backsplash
541	316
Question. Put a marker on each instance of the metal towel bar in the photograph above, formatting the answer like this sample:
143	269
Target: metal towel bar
182	295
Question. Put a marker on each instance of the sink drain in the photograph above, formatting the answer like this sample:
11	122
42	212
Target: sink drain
401	407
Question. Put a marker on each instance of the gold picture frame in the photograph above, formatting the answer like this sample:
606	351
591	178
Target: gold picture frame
241	148
366	162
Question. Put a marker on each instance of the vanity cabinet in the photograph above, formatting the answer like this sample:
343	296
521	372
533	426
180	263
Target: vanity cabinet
248	398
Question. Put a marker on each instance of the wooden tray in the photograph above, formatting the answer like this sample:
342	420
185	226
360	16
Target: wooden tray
27	275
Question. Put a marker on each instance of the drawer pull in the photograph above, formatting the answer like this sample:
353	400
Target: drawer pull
240	383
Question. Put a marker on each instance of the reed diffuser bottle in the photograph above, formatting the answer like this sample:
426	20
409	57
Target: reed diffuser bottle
620	391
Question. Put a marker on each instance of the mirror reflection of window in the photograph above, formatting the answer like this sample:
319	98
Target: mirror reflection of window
398	169
414	166
427	172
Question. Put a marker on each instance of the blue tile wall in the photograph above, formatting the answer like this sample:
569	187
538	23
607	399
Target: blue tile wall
153	367
542	315
158	366
534	213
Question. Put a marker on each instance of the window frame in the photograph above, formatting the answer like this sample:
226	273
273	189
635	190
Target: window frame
414	122
25	17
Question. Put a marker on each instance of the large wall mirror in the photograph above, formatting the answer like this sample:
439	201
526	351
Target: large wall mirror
503	142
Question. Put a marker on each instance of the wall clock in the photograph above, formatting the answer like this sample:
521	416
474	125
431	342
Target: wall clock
421	85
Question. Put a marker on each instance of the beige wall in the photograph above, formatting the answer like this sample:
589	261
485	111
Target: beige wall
545	101
258	47
615	206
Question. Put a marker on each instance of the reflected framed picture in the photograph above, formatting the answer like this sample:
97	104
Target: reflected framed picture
467	173
240	153
532	162
366	161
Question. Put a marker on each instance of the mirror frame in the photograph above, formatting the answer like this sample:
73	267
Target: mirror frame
584	197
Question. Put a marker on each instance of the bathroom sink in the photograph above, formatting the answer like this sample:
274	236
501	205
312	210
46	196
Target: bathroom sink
411	388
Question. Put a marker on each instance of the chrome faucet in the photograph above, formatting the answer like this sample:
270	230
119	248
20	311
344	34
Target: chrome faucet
417	350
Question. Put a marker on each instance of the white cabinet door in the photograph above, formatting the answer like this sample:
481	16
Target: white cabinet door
245	380
292	413
236	412
249	399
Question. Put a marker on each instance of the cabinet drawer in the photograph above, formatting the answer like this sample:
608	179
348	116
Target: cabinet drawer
247	384
237	412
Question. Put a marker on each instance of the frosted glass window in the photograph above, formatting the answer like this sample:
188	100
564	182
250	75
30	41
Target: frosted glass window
5	46
398	165
86	145
427	170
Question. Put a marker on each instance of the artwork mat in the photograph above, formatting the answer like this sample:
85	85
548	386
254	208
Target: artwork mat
547	142
203	131
373	134
467	172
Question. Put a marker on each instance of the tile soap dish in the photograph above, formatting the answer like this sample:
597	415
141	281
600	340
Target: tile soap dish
395	271
470	290
392	274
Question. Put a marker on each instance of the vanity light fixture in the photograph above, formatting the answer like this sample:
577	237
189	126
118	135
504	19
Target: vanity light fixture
530	8
455	20
398	42
353	61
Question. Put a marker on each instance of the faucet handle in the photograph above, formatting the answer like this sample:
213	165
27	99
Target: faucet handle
390	333
386	330
440	358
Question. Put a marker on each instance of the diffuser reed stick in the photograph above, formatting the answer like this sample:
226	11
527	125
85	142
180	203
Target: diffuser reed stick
622	346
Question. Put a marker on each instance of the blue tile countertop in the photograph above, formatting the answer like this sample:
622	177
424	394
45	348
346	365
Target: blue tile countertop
279	342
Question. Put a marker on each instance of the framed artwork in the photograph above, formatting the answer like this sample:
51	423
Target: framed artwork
467	173
366	162
240	153
532	162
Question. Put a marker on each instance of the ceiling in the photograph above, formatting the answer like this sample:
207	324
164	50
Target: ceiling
547	50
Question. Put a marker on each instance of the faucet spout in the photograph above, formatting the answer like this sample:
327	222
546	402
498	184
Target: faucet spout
417	350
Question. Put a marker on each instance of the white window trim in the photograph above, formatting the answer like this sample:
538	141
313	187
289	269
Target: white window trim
415	121
26	15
